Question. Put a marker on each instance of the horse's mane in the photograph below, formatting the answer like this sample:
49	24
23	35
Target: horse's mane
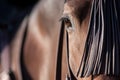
102	48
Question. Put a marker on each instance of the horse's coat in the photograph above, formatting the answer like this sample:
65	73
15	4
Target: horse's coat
87	67
38	38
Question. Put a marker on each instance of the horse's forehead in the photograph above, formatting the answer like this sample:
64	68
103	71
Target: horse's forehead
67	9
73	5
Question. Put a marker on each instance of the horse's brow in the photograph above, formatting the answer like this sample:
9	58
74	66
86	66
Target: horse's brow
65	16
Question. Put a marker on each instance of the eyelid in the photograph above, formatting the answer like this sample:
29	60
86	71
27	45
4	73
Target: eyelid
65	16
66	20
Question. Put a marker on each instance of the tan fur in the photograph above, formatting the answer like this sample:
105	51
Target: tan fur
76	44
42	40
15	48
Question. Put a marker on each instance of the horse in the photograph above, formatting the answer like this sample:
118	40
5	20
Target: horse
80	19
39	53
34	48
76	19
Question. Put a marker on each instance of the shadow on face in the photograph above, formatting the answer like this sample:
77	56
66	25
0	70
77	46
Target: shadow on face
78	8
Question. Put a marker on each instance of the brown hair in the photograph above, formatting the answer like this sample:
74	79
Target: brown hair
81	8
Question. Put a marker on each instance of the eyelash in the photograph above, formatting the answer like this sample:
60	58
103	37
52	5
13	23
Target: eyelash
67	21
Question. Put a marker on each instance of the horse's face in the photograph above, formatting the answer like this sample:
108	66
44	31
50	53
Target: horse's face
77	12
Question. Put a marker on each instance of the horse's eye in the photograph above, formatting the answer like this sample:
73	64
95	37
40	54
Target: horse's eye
68	23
